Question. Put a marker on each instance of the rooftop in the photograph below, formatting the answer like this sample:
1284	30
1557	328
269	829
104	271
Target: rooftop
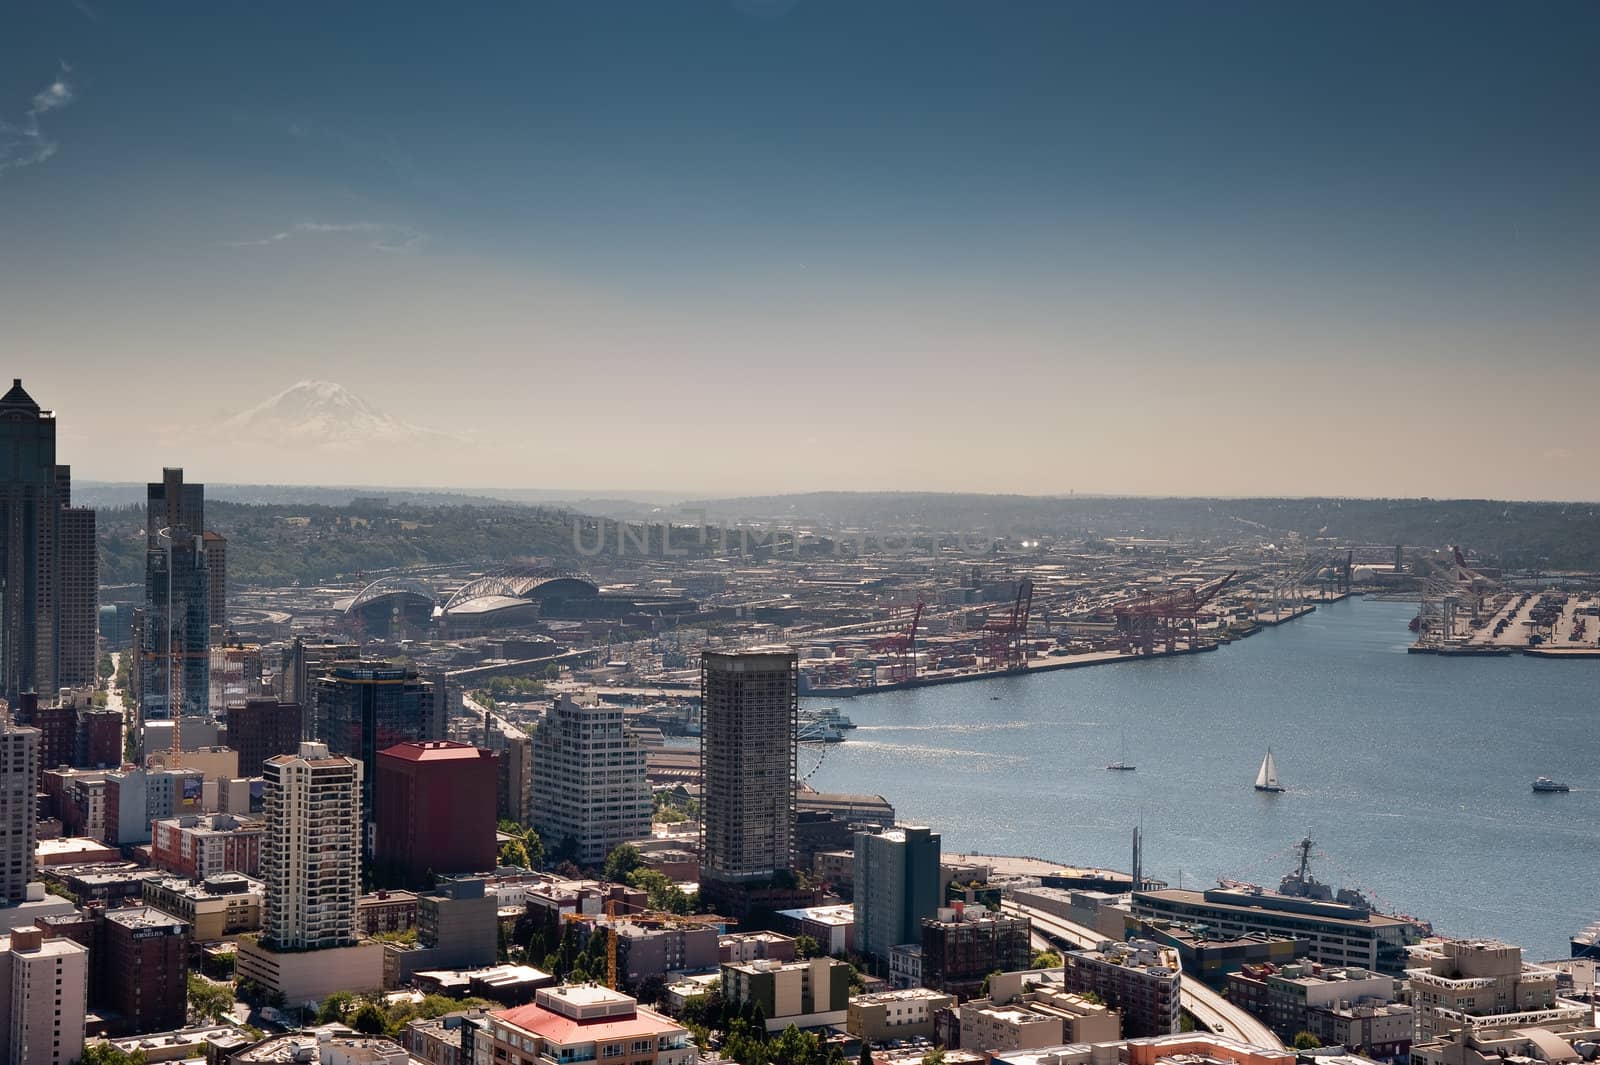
435	751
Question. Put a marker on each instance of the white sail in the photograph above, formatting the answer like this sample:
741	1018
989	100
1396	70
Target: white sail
1267	775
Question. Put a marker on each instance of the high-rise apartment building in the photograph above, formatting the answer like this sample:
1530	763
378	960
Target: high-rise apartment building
896	887
42	555
261	728
588	780
79	606
514	793
311	854
749	706
435	810
19	785
177	626
216	546
46	997
303	662
366	707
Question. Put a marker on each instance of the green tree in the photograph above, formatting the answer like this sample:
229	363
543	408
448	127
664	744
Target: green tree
513	853
1046	959
663	893
209	1001
336	1007
370	1019
866	1053
806	947
933	1057
620	862
1306	1041
792	1047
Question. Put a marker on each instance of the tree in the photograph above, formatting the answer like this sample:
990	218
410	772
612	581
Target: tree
514	854
621	862
1046	959
806	947
1306	1041
866	1053
933	1057
370	1019
208	1001
663	893
336	1007
792	1047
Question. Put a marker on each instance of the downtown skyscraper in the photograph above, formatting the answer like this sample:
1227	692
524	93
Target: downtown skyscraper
749	703
48	607
184	569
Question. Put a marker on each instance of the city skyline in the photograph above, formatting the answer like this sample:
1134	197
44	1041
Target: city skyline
780	246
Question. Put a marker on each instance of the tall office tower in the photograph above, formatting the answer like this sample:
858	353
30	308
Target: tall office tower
515	751
749	705
367	707
896	887
46	985
79	607
588	780
170	503
303	662
19	809
311	855
261	728
217	578
34	493
177	625
435	811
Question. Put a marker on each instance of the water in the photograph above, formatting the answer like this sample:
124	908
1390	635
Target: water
1411	772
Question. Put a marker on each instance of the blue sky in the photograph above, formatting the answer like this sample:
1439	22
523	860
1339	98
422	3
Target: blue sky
766	245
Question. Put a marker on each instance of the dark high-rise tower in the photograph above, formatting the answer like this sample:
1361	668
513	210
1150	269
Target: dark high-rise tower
749	702
39	570
179	597
177	626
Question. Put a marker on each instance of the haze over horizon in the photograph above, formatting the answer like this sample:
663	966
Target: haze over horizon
767	246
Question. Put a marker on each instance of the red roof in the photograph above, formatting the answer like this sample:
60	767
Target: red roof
435	751
566	1031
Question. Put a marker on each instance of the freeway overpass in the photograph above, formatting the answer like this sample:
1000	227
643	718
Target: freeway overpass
1209	1009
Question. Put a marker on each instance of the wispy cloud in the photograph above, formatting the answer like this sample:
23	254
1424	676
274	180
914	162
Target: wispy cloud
381	236
24	143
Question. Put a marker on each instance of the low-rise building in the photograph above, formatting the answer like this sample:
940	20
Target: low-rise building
891	1015
964	944
754	946
386	911
1481	985
905	965
202	845
658	948
807	994
1139	979
833	927
1209	957
218	907
457	928
1284	997
581	1023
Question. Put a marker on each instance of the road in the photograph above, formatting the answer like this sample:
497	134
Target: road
1208	1008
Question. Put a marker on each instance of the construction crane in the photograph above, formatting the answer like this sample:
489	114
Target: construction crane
1159	614
902	647
1005	639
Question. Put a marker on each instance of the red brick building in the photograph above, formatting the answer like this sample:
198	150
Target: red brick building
201	845
435	809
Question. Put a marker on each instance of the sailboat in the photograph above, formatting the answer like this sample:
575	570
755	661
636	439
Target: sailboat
1122	765
1267	775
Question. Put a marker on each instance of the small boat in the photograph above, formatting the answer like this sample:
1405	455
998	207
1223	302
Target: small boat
1122	765
1267	775
1546	784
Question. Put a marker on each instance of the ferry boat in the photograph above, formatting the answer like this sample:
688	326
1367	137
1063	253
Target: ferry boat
1267	775
829	715
814	731
1546	784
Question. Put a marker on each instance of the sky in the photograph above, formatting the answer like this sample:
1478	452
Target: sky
756	246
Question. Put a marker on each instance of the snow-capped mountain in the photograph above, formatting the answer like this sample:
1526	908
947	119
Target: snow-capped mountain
327	415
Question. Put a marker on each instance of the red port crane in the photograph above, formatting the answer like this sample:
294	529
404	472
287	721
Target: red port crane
902	648
1005	639
1160	614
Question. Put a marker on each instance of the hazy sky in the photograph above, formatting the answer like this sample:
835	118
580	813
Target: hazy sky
763	245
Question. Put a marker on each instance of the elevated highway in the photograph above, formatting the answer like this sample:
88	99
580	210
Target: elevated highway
1208	1008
